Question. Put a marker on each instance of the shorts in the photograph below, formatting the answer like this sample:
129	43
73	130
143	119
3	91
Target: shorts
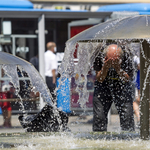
138	80
5	105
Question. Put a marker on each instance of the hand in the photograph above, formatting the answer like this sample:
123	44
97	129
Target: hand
116	64
54	80
107	63
101	75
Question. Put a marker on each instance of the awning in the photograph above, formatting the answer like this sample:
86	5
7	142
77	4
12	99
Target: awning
21	4
136	7
35	13
93	1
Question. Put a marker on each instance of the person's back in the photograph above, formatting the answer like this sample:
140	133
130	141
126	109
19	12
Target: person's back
50	63
50	67
35	62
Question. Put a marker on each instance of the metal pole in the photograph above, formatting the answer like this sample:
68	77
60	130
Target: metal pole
13	46
41	49
144	120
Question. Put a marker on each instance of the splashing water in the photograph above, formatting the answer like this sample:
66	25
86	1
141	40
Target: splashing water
11	71
11	64
36	80
86	54
70	141
36	84
90	42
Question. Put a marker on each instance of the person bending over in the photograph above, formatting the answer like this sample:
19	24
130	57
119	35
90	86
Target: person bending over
114	74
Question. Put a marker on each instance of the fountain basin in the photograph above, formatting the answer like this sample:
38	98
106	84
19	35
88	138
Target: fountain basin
62	140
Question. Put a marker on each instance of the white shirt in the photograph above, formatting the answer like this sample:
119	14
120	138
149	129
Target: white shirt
50	63
136	60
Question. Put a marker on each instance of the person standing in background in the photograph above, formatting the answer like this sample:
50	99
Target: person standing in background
6	93
136	101
51	67
35	61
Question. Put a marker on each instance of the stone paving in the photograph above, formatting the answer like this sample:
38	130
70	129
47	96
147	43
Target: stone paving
76	124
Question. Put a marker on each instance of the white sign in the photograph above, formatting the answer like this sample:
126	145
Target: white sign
6	27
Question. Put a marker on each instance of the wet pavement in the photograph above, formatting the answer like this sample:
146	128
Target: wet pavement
76	124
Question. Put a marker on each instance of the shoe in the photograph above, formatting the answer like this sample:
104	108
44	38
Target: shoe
7	124
1	126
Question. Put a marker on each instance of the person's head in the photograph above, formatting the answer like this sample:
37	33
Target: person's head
51	46
113	51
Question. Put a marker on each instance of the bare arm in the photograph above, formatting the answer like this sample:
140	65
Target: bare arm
122	74
101	75
116	64
54	76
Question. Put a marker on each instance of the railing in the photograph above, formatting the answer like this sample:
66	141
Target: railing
28	111
17	99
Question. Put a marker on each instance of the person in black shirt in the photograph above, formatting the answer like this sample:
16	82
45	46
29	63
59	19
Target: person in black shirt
114	76
35	62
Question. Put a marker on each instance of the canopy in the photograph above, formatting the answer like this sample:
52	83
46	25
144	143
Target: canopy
140	7
23	4
9	59
136	27
9	64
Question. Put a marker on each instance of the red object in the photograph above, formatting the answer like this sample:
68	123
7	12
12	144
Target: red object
74	30
77	29
75	95
5	105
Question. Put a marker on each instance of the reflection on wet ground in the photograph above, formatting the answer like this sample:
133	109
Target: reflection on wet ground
80	137
81	123
65	141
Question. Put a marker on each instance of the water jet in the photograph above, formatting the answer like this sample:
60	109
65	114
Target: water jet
122	31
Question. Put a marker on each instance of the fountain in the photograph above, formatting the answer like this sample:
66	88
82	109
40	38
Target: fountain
49	118
122	31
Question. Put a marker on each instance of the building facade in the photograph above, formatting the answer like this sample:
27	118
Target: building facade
77	5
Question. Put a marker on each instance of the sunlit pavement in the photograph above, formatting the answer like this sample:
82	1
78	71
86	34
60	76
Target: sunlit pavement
76	124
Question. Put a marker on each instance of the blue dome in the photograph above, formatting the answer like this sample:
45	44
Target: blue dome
139	7
23	4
